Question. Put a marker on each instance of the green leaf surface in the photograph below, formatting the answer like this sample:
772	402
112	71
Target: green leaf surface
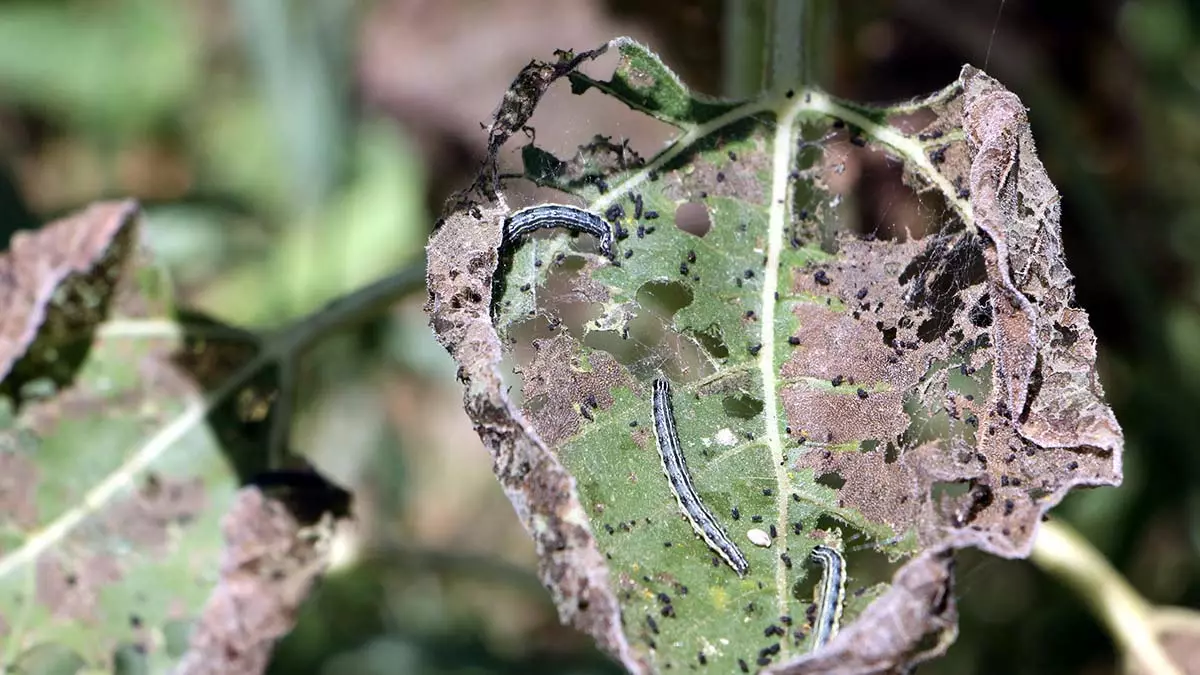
112	489
885	386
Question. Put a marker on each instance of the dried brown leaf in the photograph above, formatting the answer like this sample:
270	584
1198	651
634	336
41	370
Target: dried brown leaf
57	281
269	565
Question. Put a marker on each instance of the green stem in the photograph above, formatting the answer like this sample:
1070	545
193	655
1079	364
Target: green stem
351	309
744	48
1063	553
287	346
816	27
788	44
774	45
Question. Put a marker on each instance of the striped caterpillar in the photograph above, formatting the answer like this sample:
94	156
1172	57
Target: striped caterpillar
532	218
680	482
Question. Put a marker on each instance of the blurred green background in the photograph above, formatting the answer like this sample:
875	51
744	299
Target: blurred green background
288	151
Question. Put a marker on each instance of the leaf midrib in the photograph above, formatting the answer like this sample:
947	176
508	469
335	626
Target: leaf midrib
782	156
788	109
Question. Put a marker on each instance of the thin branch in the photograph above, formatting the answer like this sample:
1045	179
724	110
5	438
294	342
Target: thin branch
1063	553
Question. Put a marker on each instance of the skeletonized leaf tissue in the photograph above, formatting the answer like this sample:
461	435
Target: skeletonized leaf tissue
869	342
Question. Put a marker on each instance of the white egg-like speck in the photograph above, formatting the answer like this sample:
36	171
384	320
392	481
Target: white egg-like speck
758	537
726	437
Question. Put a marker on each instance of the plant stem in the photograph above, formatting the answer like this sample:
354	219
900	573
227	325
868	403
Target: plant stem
1063	553
348	310
788	41
744	48
774	45
288	345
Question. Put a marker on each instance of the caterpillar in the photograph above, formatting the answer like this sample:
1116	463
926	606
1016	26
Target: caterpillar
680	482
532	218
832	592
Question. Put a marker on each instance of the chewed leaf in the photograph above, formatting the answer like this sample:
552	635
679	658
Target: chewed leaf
738	374
112	486
644	83
107	526
57	283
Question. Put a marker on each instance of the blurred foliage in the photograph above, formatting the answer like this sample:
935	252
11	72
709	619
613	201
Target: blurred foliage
84	76
271	187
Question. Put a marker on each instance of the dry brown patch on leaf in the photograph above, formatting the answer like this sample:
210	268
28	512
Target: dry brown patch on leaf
74	402
267	568
894	502
561	393
18	489
840	417
740	178
145	518
165	382
1045	348
990	304
870	349
70	588
56	282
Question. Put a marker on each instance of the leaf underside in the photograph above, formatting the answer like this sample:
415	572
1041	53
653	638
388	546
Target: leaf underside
894	382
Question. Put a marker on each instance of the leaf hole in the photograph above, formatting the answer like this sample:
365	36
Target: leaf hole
693	218
645	342
1036	380
832	479
712	341
948	491
912	121
613	137
927	642
665	298
742	406
889	335
804	590
981	312
961	269
889	208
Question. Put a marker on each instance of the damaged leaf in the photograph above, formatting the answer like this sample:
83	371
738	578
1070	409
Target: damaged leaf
894	388
112	486
268	567
110	526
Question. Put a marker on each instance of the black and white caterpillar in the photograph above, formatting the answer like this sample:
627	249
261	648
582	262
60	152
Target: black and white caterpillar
522	222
